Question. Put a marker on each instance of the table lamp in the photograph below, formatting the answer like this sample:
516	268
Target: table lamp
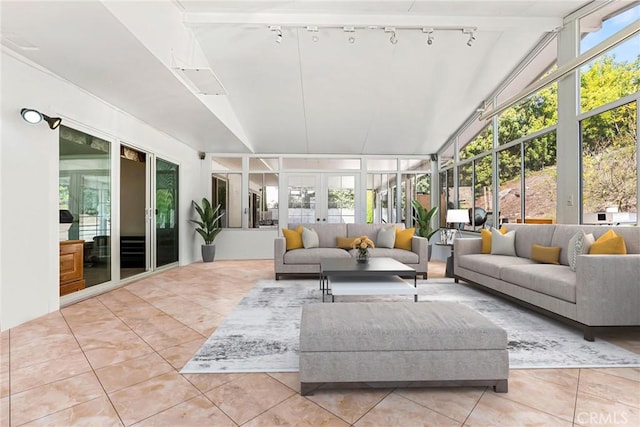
458	216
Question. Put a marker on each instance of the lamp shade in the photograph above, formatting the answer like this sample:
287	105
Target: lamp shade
458	215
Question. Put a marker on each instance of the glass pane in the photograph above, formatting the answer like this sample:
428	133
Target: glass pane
382	200
509	175
417	187
85	190
537	112
226	189
301	199
133	216
465	186
480	144
166	212
540	173
415	164
597	28
611	76
263	200
483	192
263	163
341	200
382	164
227	163
609	166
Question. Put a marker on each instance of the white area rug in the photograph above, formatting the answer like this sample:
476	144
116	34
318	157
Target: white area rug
262	332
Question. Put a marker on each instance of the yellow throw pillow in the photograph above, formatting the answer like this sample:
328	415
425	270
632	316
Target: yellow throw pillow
609	244
486	239
403	238
545	254
293	238
345	242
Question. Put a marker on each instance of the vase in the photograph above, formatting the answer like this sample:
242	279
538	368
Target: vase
362	257
208	253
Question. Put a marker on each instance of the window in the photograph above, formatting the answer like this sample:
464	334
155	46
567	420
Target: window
609	164
509	175
482	143
540	173
263	200
535	113
483	191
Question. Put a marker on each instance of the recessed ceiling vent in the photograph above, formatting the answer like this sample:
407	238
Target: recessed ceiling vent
203	80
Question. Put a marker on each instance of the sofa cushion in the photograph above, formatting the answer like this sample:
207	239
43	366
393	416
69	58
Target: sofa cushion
313	255
503	244
386	237
327	233
545	254
401	255
528	234
490	265
310	238
609	244
403	238
579	244
345	242
554	280
486	239
293	238
370	230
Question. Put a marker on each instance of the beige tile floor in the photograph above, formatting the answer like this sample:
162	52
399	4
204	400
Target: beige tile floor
114	360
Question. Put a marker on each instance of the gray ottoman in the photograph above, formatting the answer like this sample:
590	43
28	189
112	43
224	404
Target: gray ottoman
424	344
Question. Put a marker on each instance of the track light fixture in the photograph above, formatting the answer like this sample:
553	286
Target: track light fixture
314	30
352	32
472	35
278	30
34	116
394	38
429	33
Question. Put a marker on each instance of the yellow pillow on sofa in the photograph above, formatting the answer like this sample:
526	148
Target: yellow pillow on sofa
545	254
345	242
403	238
609	244
293	238
486	239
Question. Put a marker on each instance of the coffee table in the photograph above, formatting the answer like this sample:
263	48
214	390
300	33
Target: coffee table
380	276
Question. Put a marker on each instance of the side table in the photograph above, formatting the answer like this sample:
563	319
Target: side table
449	270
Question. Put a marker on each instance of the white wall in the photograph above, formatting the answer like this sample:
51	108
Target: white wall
29	284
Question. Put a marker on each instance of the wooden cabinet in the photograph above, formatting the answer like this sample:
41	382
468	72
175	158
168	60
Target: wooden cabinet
71	266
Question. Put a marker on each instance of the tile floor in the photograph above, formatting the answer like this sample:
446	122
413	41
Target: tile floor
114	360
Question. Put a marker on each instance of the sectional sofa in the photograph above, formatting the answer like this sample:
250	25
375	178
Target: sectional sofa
306	261
603	291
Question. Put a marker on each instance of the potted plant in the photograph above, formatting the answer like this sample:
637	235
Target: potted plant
208	227
422	218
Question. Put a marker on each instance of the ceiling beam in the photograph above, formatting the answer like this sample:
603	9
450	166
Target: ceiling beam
482	23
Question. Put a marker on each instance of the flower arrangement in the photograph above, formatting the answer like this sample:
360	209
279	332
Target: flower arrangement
362	244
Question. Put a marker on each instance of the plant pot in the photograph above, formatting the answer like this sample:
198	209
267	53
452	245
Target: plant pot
208	253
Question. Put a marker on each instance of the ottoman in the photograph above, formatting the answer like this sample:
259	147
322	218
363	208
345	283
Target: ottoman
424	344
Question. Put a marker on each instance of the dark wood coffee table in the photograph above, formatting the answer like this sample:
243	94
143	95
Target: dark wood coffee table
380	276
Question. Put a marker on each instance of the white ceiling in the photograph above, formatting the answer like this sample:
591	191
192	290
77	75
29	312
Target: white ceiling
298	96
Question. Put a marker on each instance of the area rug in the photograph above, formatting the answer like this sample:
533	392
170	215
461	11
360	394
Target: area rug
262	332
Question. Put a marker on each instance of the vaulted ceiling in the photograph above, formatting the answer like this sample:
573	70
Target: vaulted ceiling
211	74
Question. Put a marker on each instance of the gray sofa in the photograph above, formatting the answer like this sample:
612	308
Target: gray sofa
603	291
305	261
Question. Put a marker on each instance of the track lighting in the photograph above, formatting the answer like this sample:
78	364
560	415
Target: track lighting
34	116
313	29
472	35
278	30
351	31
393	39
429	33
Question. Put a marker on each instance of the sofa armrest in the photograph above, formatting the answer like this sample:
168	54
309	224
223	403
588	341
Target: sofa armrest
608	289
466	246
279	248
420	245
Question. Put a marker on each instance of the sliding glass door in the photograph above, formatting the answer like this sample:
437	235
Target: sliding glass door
166	212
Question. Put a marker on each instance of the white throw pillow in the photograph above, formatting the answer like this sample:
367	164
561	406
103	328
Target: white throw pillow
386	237
503	244
579	244
310	238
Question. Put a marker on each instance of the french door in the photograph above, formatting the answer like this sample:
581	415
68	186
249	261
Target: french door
321	198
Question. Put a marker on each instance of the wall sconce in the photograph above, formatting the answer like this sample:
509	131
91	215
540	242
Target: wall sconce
34	116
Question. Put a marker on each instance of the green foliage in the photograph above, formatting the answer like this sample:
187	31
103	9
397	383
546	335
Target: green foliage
208	225
422	217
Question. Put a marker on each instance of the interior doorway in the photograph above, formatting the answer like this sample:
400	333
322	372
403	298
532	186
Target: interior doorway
133	212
